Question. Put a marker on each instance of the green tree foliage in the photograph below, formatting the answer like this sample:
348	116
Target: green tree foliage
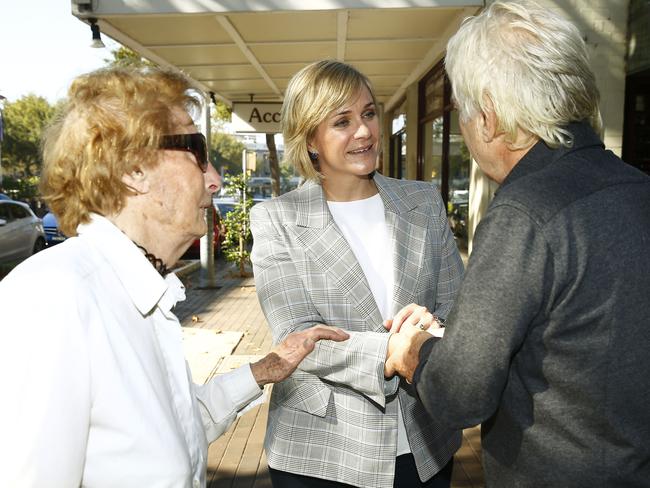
24	122
221	113
125	57
226	151
23	189
237	223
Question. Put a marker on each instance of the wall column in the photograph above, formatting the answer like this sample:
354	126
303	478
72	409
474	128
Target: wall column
411	132
386	128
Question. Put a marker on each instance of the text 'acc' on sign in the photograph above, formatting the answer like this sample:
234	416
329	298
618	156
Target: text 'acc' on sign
256	117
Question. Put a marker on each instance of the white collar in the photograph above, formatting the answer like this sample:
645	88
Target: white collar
141	281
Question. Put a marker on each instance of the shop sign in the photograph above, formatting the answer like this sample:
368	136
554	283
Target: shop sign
256	117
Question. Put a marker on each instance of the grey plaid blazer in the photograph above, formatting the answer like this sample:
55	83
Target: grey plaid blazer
336	416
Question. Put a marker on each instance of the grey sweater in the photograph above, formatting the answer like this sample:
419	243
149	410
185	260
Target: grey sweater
548	343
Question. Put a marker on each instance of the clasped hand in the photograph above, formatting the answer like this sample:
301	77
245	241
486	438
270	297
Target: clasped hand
408	332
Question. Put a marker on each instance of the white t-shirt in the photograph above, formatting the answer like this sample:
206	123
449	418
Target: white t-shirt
363	224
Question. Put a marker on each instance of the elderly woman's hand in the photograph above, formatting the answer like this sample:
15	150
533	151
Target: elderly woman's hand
286	356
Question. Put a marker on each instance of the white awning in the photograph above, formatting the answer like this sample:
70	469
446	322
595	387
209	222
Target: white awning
239	48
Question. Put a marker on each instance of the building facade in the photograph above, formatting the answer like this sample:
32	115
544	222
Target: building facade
422	134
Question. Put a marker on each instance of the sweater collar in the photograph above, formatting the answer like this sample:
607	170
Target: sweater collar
541	155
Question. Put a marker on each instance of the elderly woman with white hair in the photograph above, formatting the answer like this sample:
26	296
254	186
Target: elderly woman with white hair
96	391
548	340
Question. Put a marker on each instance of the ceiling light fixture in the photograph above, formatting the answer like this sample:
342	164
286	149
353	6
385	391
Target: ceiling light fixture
97	37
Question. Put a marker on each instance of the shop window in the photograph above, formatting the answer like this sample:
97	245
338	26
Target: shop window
397	160
397	167
458	193
432	138
443	157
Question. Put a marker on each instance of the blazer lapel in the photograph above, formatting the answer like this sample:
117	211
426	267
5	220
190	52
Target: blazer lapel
321	238
408	228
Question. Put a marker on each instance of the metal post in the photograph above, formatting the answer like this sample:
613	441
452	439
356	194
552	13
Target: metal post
208	276
244	161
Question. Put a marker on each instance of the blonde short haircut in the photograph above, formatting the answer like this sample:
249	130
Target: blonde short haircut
312	95
530	64
110	125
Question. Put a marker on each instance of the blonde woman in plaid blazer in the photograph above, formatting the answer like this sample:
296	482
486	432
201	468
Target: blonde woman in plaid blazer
335	421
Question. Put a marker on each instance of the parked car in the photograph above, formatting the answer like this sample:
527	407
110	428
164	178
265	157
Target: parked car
4	197
51	227
224	204
227	204
21	232
194	251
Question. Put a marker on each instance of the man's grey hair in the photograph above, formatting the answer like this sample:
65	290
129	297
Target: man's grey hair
530	65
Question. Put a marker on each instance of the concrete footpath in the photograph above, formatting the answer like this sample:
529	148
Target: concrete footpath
224	328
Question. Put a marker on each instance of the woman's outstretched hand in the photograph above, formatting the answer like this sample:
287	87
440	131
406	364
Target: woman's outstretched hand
286	356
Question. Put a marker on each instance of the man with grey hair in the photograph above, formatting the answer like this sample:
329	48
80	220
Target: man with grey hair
548	342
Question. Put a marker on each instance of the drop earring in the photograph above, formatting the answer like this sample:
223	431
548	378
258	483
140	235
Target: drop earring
313	155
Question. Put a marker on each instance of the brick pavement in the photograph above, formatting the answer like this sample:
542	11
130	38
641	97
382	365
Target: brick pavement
237	459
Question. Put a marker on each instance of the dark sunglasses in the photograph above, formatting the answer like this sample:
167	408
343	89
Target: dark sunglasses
194	143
